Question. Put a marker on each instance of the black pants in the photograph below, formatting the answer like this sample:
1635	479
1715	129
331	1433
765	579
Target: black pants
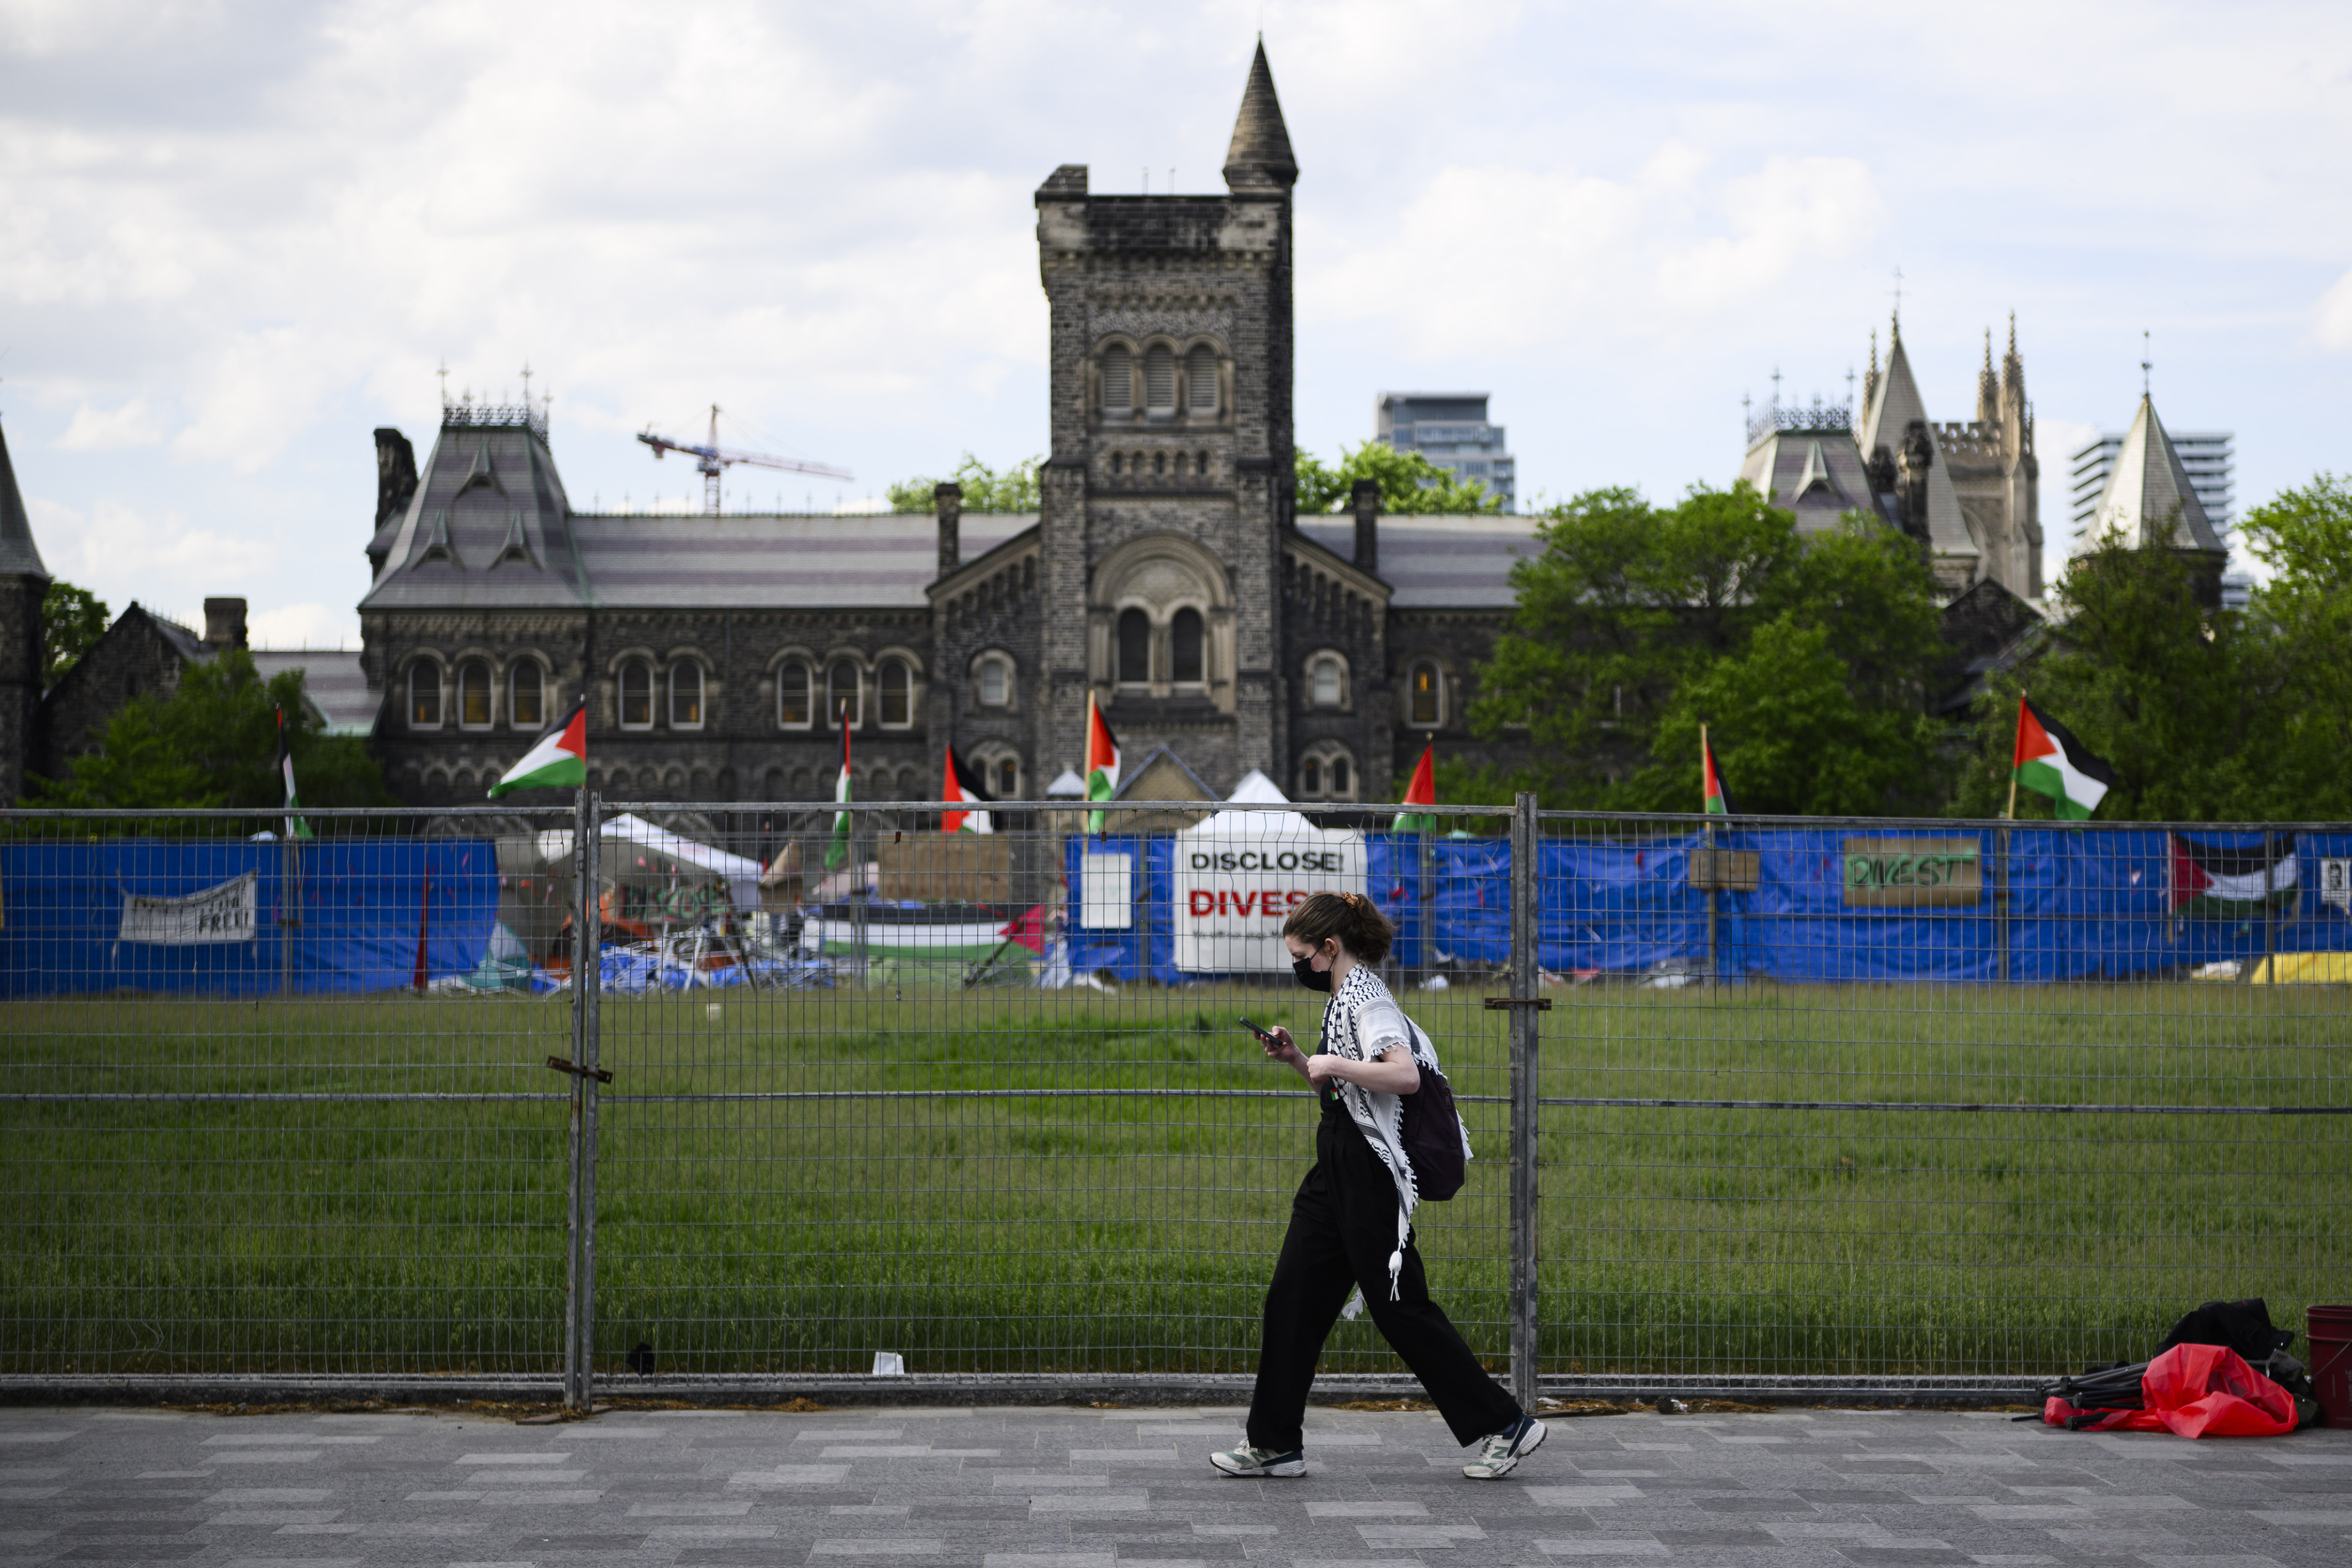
1343	1226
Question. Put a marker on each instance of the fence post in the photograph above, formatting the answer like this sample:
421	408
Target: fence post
591	1033
1526	986
583	954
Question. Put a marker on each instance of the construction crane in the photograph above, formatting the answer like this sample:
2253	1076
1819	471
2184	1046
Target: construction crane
713	461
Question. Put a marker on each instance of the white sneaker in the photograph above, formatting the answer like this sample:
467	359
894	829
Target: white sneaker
1248	1461
1500	1454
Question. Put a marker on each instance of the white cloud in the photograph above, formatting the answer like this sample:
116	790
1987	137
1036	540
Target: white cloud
121	553
2335	315
111	430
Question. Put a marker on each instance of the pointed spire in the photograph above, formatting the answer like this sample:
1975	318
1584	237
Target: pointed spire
18	553
1260	153
2148	488
2012	369
1987	386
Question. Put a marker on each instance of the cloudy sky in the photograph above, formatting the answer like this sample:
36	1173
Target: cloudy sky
235	237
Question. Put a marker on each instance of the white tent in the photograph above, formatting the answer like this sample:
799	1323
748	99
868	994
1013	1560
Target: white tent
1239	873
741	874
1255	789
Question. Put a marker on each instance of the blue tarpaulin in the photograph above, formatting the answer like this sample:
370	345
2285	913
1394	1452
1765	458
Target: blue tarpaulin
2082	905
336	915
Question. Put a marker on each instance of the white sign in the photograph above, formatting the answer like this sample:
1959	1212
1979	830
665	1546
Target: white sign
1233	890
1106	892
2336	883
226	913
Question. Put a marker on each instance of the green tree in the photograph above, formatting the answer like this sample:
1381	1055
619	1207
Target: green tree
213	743
71	620
984	488
1807	657
2205	714
1409	482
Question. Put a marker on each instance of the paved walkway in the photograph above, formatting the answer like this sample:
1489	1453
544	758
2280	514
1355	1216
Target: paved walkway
1083	1489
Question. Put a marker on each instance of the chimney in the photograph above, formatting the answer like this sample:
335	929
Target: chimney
224	624
948	498
1366	500
396	472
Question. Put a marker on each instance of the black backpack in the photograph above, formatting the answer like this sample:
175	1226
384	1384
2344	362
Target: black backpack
1432	1132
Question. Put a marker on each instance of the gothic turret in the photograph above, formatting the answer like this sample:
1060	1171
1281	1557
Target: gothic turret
1260	153
1987	386
24	584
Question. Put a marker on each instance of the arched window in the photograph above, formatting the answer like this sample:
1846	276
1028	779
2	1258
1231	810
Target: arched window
1159	379
794	695
526	695
686	695
1119	380
424	695
1326	681
637	695
995	688
474	695
1134	647
1200	381
1326	772
1425	689
844	694
1186	660
1008	778
895	694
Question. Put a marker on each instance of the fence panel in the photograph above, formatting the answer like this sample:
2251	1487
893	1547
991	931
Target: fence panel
987	1105
1737	1183
236	1138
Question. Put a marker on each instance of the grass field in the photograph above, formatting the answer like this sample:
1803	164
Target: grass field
1136	1234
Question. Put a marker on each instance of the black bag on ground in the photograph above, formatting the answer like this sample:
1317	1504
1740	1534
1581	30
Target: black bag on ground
2244	1326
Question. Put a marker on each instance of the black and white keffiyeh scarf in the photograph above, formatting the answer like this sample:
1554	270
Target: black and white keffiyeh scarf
1360	1022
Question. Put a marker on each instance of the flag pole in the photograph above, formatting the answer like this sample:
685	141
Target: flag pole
2010	815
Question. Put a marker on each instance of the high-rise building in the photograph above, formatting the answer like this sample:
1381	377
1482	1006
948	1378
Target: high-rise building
2207	456
1451	429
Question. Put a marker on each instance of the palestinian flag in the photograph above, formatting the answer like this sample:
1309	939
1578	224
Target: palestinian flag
838	850
1421	791
2212	881
295	826
1102	763
1714	798
2051	761
963	783
557	760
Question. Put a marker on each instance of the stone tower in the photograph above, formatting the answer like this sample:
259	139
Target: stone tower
24	584
1169	489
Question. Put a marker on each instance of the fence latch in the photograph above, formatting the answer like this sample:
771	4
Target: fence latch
1498	1003
601	1075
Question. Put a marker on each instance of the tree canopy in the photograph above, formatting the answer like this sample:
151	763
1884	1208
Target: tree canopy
2205	714
984	488
213	743
72	619
1807	656
1409	482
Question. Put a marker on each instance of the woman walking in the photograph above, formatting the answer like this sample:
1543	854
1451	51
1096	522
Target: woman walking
1351	1224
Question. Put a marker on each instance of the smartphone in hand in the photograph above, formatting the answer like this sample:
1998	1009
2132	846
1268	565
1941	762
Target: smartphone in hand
1261	1034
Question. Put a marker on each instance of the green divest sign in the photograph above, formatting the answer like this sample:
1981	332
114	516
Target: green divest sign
1910	873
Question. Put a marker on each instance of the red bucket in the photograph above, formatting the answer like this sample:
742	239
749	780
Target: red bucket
2329	1330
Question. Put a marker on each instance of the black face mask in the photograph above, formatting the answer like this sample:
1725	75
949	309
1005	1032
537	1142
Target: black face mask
1312	978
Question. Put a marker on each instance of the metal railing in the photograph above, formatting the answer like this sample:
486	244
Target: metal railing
733	1097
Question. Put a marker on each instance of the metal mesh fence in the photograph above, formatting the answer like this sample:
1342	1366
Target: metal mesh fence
1866	1101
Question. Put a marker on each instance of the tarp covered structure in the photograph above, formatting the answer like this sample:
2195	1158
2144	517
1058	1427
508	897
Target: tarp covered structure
237	917
2082	905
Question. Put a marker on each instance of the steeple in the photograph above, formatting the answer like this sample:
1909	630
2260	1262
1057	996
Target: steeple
1260	153
1870	378
2012	371
2149	492
1987	386
18	553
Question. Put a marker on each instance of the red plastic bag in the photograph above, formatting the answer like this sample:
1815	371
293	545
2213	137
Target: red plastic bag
2195	1391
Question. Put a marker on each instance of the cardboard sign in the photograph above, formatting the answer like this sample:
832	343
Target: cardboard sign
1912	873
1233	893
225	913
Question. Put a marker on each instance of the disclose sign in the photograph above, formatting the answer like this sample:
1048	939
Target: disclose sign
1233	892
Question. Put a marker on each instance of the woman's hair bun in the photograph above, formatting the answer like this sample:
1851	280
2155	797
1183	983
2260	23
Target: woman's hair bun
1354	919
